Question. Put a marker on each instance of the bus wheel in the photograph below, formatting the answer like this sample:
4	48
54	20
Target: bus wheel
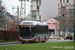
44	40
23	42
39	39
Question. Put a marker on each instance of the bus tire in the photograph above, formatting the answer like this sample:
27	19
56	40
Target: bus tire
39	39
44	40
23	42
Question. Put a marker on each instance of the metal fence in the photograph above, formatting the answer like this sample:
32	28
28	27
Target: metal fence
9	35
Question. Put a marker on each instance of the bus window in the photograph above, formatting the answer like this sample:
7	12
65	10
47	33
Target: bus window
42	29
27	31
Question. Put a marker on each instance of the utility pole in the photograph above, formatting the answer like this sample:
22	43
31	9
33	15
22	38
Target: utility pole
22	8
18	15
25	9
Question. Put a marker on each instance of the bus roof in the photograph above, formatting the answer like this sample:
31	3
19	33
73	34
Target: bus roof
33	23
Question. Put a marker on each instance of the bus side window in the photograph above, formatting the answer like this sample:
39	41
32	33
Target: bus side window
37	29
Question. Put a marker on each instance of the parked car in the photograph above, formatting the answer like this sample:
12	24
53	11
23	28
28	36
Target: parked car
53	36
68	36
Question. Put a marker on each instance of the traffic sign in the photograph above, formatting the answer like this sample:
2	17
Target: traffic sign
66	30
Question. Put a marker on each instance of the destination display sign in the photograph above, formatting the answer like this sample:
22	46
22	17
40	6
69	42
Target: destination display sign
26	26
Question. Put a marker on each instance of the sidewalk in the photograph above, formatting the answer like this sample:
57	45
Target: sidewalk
9	43
57	38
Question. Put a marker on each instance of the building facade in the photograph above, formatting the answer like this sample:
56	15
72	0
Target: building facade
66	12
53	24
36	10
12	21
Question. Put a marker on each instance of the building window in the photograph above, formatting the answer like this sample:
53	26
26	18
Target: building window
67	1
40	2
34	17
59	14
37	2
70	21
60	1
58	5
58	10
70	10
39	17
38	12
63	1
61	4
37	7
65	4
70	15
63	10
34	13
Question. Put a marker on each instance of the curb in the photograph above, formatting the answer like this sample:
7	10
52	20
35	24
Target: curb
55	38
9	43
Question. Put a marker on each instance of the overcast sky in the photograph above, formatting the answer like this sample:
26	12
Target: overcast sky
14	3
50	7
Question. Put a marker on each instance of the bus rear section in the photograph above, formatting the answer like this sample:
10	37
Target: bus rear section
33	33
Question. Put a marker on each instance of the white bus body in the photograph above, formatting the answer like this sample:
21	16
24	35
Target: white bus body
32	31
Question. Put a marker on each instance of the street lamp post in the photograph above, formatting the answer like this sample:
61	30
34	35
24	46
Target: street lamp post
25	9
18	15
22	7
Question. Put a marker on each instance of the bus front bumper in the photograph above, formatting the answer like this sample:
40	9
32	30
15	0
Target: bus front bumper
30	40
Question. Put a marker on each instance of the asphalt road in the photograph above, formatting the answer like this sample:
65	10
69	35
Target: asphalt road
17	43
10	43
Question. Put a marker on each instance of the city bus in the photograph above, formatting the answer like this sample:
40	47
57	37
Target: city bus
33	31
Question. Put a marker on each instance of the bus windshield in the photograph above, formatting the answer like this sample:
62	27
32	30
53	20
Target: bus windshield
27	31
